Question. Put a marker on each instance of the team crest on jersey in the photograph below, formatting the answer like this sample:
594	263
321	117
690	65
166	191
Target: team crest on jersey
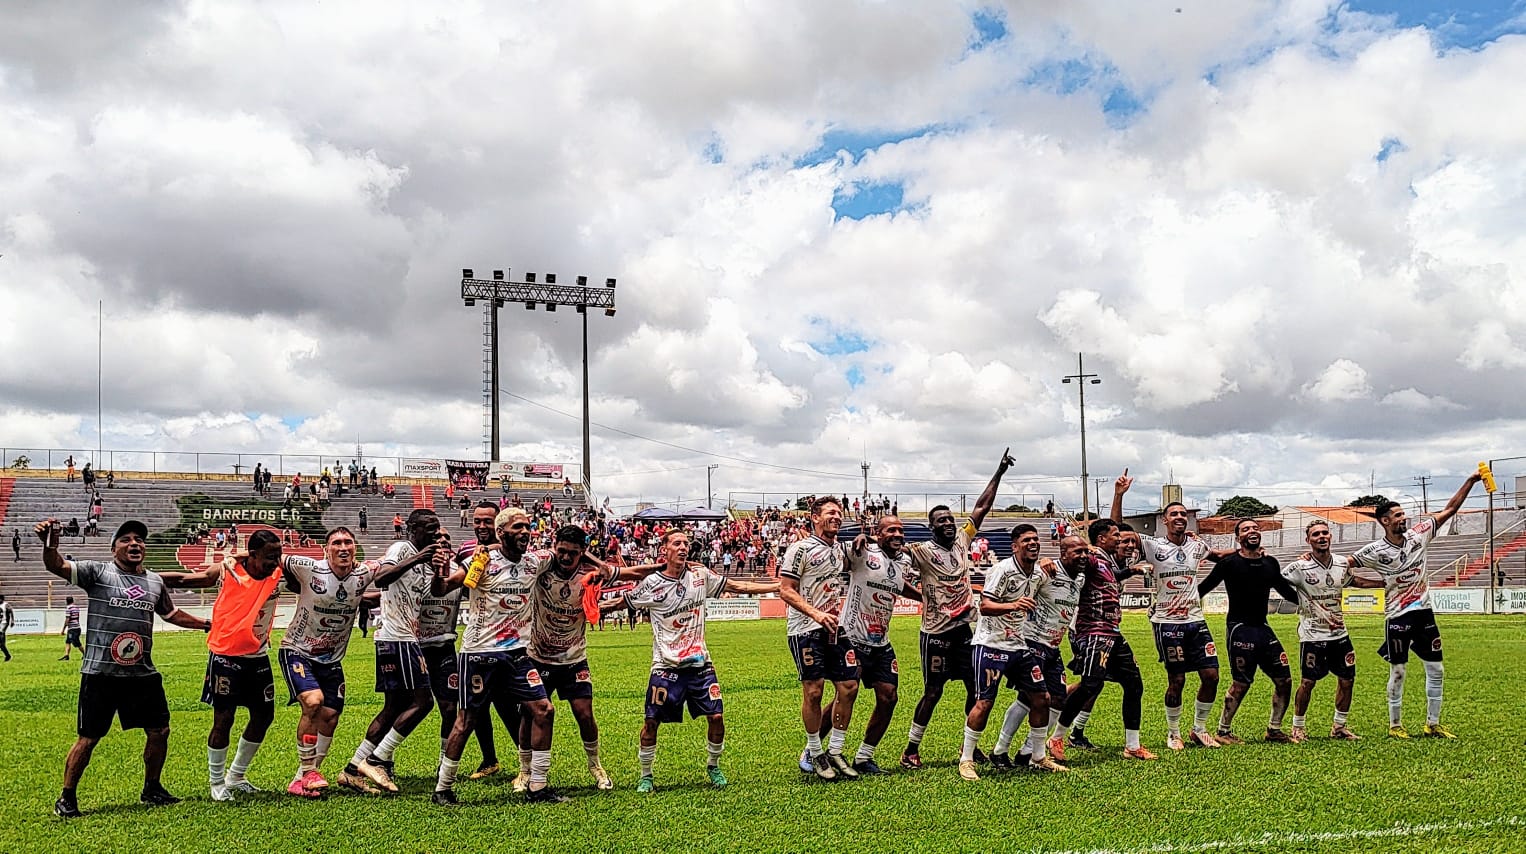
1210	649
318	586
339	593
715	690
851	657
127	648
533	677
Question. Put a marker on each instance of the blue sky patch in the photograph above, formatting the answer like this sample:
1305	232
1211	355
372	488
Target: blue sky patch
990	27
1461	23
866	199
840	343
1390	147
855	376
858	142
292	422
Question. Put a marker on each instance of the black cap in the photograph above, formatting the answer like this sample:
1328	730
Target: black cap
131	526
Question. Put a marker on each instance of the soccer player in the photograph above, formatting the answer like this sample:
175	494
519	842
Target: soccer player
238	656
1101	652
117	677
7	619
682	672
1056	594
402	674
811	581
481	520
71	629
1249	575
1181	633
1398	559
878	572
1324	647
948	610
438	611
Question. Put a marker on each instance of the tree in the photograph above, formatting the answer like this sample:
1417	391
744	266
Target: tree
1245	507
1368	501
1019	508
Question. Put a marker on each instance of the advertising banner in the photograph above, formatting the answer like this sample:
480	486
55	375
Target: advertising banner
29	621
1358	601
907	607
1510	600
1216	602
422	468
1459	601
732	609
525	471
1134	601
467	474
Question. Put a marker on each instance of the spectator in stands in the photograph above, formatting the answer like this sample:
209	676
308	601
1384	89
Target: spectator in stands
233	536
567	486
1049	508
92	528
466	510
259	475
87	476
72	529
397	527
16	543
354	474
363	518
388	490
69	467
111	479
374	480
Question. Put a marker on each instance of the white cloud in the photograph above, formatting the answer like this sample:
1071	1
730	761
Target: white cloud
1342	380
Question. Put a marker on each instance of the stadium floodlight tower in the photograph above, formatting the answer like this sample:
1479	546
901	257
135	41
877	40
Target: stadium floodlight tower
500	290
1082	379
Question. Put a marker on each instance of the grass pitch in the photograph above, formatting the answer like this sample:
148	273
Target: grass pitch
1377	794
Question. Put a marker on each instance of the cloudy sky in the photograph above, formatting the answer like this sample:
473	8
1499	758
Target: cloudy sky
1286	235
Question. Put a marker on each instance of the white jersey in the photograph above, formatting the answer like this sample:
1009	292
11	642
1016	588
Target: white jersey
438	616
559	634
1402	568
817	567
875	579
677	608
501	608
1056	595
1175	570
948	600
326	608
1319	597
1005	583
403	599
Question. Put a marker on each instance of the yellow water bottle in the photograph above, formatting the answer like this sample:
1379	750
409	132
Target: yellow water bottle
1488	476
476	567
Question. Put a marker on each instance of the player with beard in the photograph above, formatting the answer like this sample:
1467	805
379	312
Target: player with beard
878	571
1324	646
948	610
438	612
1249	575
238	661
482	527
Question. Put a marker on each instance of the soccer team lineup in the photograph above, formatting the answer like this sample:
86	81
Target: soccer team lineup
1032	648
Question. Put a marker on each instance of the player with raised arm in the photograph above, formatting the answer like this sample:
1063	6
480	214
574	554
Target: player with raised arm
1323	645
812	579
117	676
1249	575
682	672
949	610
879	570
238	656
1398	559
482	517
1056	594
1100	651
1181	632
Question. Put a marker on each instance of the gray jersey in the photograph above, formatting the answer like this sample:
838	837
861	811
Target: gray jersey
1056	596
875	579
1005	583
559	634
438	617
403	599
326	608
119	639
817	567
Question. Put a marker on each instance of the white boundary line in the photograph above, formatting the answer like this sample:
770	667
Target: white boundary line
1281	839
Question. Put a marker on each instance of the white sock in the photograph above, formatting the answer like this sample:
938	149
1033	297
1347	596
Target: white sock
971	740
1054	719
1060	730
241	759
1035	746
1081	718
1131	739
591	750
524	764
713	751
916	733
307	754
1174	720
1395	694
362	753
389	743
447	778
324	743
1200	718
1009	724
1298	722
1340	717
865	753
836	739
217	761
646	755
540	768
1434	673
812	743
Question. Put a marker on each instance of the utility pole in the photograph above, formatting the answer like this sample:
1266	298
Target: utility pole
709	470
1083	379
1425	499
865	467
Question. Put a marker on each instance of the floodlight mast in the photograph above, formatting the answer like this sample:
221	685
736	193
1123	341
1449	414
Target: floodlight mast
501	289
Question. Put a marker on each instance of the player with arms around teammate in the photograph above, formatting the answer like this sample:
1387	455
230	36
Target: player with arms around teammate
1398	559
1181	632
482	517
438	612
682	673
879	570
238	656
1324	647
117	677
811	583
949	610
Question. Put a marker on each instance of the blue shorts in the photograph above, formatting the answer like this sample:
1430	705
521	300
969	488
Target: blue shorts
444	678
303	674
947	655
670	689
1052	665
400	666
238	680
489	675
568	681
1185	647
877	665
817	658
991	665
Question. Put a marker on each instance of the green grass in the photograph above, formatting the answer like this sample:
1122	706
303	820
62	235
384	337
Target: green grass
1269	797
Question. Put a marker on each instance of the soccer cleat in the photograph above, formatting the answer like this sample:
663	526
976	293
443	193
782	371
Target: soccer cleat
868	768
967	770
221	794
980	757
1079	739
1340	732
444	798
911	760
1174	742
380	773
1001	761
66	807
1398	731
1437	731
544	795
601	778
313	781
156	796
1056	748
244	787
1277	736
1047	764
356	783
805	763
1299	735
1201	738
717	779
644	785
841	766
1138	753
486	769
1225	736
520	784
823	767
301	791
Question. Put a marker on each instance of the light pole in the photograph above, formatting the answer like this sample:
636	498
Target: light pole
1083	379
500	290
709	496
865	467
